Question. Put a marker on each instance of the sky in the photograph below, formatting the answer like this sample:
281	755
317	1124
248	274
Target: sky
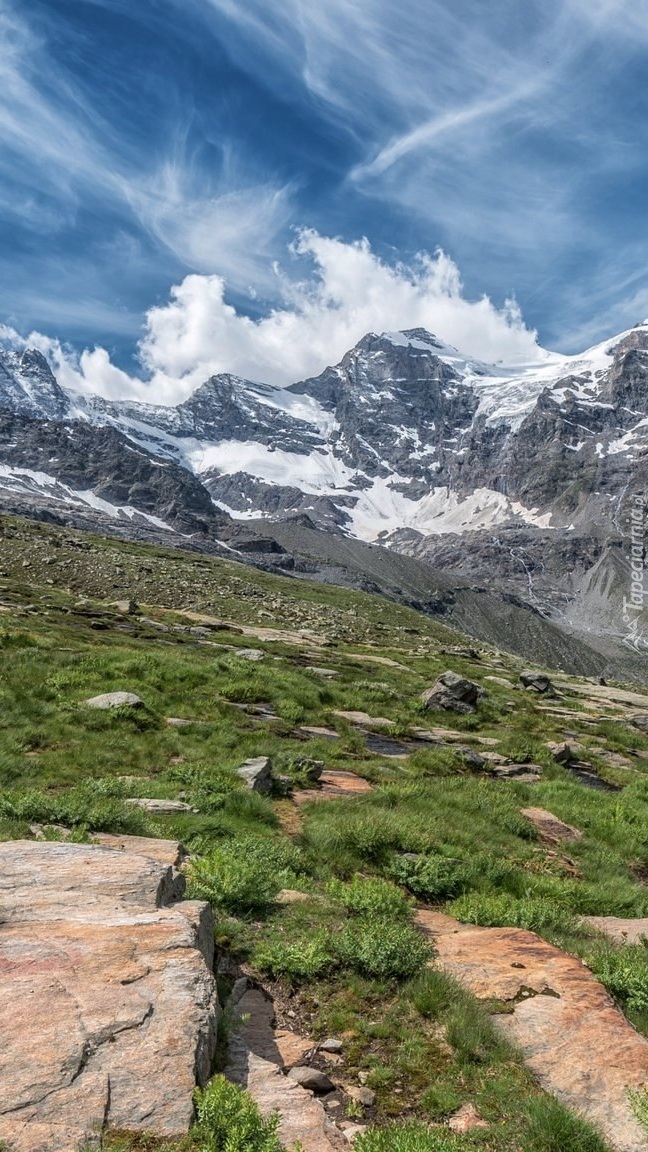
190	186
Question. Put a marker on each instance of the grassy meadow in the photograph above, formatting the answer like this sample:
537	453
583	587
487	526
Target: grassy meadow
433	831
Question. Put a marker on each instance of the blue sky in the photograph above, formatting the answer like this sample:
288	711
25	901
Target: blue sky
144	142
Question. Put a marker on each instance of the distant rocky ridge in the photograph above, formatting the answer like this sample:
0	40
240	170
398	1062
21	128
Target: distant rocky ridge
521	477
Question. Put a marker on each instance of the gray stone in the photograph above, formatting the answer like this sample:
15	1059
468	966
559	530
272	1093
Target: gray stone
115	700
311	1078
257	774
472	758
253	654
331	1045
453	693
536	681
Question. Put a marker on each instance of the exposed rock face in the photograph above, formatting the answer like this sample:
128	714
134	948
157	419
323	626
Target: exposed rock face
574	1039
620	930
108	1007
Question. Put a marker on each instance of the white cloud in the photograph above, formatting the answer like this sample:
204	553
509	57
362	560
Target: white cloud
347	292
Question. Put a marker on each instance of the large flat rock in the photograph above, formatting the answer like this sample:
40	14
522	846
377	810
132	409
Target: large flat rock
573	1037
108	1007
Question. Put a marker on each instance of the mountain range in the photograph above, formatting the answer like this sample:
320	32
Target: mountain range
524	481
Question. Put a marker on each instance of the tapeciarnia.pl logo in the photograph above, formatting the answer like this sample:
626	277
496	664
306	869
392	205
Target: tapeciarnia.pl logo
635	604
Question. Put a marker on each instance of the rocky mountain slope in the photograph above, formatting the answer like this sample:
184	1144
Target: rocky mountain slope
529	477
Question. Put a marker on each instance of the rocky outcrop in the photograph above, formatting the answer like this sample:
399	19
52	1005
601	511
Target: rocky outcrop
574	1039
108	1007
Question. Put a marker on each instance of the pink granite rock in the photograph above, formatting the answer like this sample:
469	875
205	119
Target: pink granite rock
108	1008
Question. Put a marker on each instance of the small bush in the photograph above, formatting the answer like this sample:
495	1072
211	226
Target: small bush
229	1121
624	971
383	949
296	960
431	877
370	897
243	875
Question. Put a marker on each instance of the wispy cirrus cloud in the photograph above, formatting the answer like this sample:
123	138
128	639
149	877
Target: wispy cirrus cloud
140	143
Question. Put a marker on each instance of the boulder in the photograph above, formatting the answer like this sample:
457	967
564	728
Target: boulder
453	693
536	681
108	1005
115	700
640	722
312	769
257	774
331	1045
253	654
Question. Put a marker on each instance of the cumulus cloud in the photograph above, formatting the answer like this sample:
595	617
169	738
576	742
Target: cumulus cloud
346	291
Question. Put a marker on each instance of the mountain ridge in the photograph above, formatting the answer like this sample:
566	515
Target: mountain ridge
524	473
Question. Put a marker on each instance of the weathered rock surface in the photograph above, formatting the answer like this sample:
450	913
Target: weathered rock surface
454	693
108	1007
618	929
258	1053
331	785
574	1039
160	807
115	700
257	774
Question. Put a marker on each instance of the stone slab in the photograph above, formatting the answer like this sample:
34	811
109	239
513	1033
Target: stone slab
108	1006
573	1037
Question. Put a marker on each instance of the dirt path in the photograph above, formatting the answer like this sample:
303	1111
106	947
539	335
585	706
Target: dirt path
573	1037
